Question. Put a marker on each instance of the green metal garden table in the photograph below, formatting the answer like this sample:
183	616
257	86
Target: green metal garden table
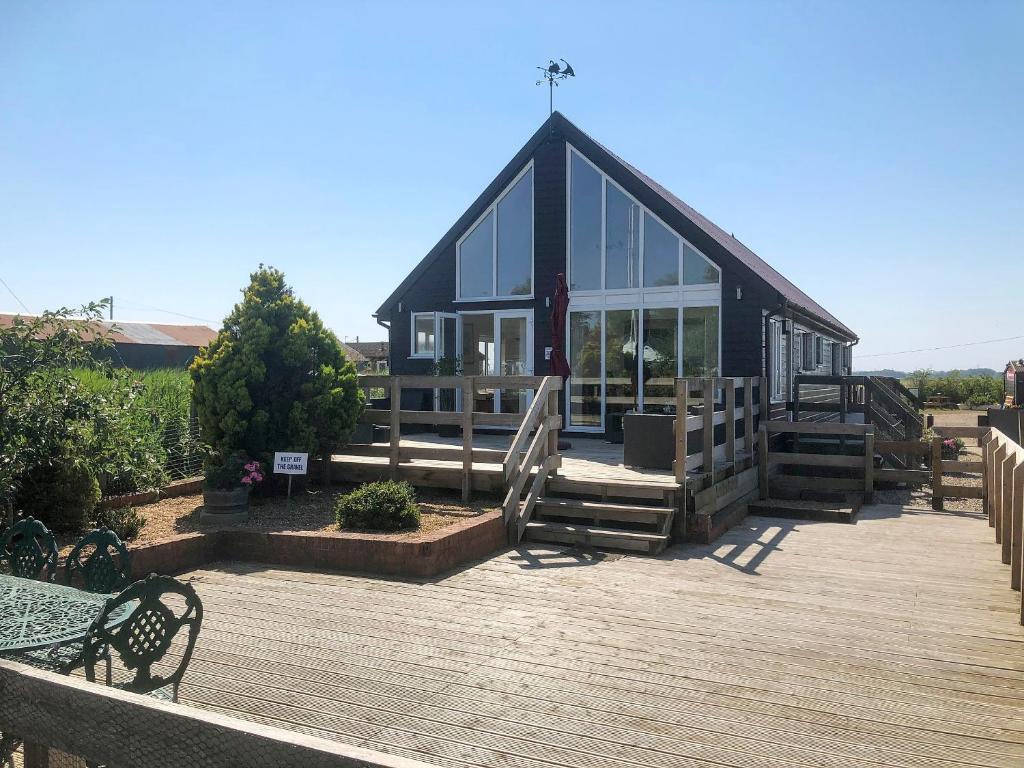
35	614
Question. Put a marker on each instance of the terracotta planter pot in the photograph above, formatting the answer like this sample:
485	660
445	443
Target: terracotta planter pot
225	506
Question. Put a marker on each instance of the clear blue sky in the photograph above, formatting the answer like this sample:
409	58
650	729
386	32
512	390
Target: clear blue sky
158	151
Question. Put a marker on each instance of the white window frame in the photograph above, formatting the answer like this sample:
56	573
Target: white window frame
640	288
413	354
493	208
806	351
595	304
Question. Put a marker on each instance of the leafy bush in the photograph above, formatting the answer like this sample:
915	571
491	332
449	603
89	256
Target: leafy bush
388	505
43	401
63	494
274	379
975	391
126	522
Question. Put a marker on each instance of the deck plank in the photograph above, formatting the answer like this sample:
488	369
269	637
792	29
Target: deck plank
892	642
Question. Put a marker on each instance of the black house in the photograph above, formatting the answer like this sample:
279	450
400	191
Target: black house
656	290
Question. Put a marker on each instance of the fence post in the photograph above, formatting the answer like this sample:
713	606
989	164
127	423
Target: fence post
679	465
1006	516
748	417
1017	528
997	488
552	410
730	421
869	466
762	462
709	428
396	426
468	388
936	473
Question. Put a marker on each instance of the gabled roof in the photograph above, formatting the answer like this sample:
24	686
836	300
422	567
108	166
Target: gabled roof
132	332
371	350
352	354
583	142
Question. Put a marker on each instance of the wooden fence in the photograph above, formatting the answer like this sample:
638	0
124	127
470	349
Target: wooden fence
863	437
56	714
466	418
1004	501
730	414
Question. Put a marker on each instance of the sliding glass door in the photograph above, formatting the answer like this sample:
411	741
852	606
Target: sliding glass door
627	359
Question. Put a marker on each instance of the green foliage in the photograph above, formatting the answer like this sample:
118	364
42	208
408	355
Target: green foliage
388	505
126	522
974	390
43	401
274	379
62	493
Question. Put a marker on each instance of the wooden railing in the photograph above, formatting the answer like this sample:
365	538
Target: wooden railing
1004	500
526	454
864	459
730	414
466	418
111	727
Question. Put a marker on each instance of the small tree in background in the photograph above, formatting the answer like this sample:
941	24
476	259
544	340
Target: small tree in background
274	379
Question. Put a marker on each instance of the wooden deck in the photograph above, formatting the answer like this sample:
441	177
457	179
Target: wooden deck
587	459
893	642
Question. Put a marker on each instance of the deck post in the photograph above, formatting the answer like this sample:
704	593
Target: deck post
730	422
869	466
395	454
796	412
679	464
709	428
997	488
552	410
468	388
762	461
748	417
936	470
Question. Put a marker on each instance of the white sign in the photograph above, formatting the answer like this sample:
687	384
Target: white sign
290	463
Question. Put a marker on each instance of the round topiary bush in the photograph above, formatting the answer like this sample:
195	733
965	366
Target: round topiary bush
383	506
62	494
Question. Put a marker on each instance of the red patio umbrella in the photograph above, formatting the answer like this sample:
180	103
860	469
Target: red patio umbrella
559	309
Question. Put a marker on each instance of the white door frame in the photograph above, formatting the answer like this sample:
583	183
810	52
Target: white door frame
498	314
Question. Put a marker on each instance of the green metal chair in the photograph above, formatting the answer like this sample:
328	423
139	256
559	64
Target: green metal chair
30	550
106	568
145	637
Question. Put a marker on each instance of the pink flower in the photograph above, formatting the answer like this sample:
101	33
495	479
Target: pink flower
246	480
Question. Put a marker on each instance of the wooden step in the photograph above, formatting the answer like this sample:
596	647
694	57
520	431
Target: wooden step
599	511
645	491
805	510
592	536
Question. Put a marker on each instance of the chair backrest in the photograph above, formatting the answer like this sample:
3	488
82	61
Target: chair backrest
106	568
145	636
30	549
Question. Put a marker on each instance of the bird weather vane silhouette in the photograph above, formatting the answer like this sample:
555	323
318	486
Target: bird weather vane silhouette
552	74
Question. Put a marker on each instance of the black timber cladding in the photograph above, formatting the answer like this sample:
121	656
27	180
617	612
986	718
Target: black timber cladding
430	287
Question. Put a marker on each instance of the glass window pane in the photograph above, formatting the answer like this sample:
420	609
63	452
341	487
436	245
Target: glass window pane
696	269
476	261
700	341
585	368
424	338
620	373
478	356
515	239
584	226
661	254
659	364
513	361
622	240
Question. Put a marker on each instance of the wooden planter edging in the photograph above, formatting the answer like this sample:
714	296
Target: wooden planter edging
177	488
418	556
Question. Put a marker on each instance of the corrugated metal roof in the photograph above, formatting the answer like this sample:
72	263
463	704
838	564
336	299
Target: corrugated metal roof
157	334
